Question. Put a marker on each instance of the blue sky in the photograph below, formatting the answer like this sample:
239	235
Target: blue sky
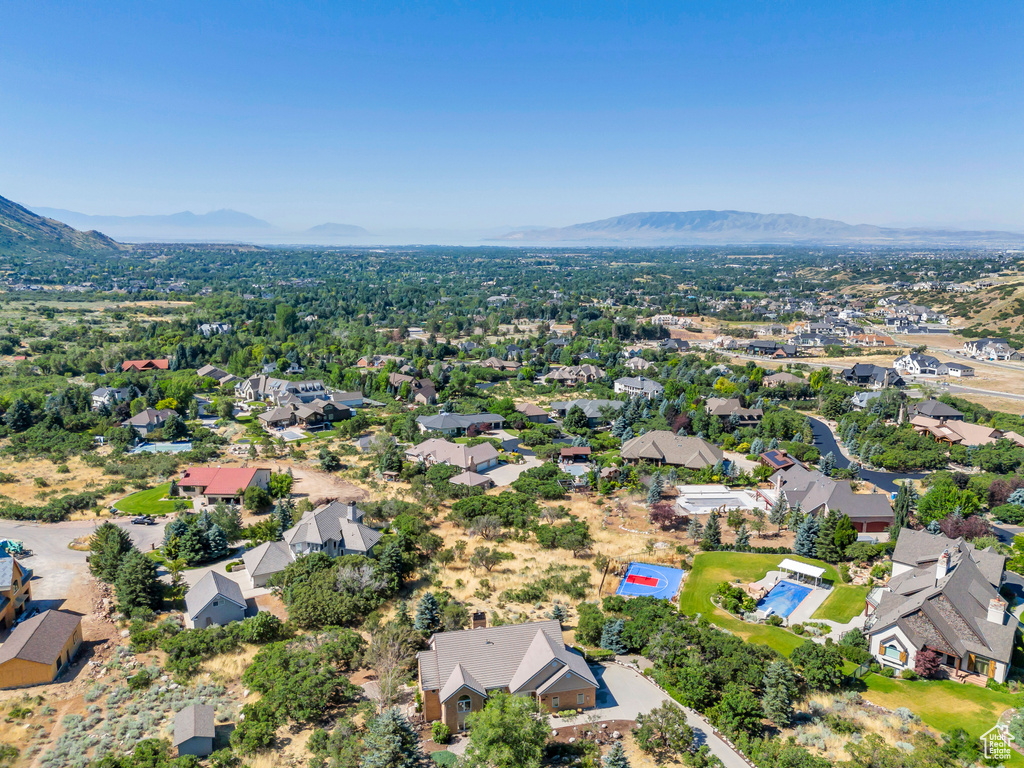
470	115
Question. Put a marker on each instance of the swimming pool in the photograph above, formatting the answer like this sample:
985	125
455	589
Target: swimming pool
784	598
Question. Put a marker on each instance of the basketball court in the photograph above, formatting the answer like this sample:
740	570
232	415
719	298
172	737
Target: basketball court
646	580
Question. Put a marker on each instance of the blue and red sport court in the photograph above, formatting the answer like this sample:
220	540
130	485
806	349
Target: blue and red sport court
646	580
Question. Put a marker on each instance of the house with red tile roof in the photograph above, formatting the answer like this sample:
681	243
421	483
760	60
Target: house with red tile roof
226	484
145	365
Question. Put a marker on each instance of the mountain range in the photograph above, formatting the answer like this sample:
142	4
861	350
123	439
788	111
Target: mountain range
23	231
742	227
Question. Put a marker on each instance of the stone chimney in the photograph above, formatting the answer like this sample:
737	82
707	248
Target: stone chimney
942	566
996	610
354	513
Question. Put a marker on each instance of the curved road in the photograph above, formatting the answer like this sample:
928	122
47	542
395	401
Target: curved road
825	442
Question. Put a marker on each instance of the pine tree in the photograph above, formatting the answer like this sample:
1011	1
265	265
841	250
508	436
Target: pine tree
216	542
695	530
616	757
402	618
825	547
742	536
284	510
107	549
904	505
827	463
655	490
806	543
136	585
559	613
845	534
779	688
392	743
795	518
611	636
712	537
778	514
428	614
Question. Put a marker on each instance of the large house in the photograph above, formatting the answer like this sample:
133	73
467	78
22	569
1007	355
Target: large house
936	409
571	375
959	432
222	484
916	364
149	420
989	349
958	370
732	410
145	365
663	447
459	670
311	415
774	349
219	375
872	376
638	385
335	529
109	397
214	599
818	494
281	391
39	649
782	378
943	596
213	329
594	410
458	424
15	590
533	413
477	458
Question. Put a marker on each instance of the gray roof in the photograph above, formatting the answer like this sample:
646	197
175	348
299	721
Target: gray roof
814	491
7	571
268	558
194	721
458	420
642	383
921	548
458	455
509	656
936	409
591	408
330	522
682	451
948	614
472	479
212	585
41	638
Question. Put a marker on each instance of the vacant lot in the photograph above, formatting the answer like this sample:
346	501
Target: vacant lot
149	502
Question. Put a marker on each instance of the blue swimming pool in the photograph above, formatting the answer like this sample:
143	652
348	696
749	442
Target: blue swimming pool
784	598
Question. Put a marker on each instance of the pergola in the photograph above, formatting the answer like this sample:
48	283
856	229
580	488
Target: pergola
803	570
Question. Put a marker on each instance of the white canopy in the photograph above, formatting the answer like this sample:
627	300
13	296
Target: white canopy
794	566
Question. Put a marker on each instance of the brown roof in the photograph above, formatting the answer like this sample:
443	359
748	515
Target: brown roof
577	451
41	638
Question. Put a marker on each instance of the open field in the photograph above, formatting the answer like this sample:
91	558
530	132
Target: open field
843	604
148	502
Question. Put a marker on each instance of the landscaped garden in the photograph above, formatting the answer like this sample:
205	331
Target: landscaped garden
152	501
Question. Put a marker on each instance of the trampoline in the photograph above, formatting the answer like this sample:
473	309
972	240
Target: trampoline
646	580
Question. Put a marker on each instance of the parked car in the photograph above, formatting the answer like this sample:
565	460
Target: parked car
143	520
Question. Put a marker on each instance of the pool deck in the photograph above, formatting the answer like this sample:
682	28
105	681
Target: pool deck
807	606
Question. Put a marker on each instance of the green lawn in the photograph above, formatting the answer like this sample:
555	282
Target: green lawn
943	704
712	568
843	604
148	502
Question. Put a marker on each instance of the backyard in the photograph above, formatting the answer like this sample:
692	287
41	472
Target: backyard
149	502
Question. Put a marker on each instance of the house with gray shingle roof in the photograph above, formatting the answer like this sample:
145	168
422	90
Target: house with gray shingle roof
458	424
638	385
662	447
214	599
594	410
943	596
194	730
38	649
264	561
460	670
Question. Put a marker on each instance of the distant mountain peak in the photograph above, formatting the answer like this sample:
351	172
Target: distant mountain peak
737	227
21	228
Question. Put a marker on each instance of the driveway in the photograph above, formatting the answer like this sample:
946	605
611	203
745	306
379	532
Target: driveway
624	693
53	564
506	474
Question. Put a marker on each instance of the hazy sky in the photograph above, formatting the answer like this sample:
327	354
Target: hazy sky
471	115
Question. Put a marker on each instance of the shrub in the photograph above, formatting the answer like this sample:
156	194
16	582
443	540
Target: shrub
908	674
888	672
140	681
774	620
440	733
798	629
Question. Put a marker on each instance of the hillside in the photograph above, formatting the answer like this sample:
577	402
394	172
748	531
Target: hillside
22	231
696	227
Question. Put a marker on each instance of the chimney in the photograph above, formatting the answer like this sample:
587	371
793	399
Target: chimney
942	566
479	619
996	610
354	513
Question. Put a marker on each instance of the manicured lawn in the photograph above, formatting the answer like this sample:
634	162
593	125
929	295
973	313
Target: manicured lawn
843	604
943	704
712	568
148	502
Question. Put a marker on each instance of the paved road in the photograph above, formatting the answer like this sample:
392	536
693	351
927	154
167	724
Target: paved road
623	694
826	442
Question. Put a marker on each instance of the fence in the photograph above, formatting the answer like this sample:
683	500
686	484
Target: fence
862	670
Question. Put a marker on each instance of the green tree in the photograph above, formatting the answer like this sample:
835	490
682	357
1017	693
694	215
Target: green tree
19	416
712	535
825	546
391	742
280	484
507	733
779	689
136	585
845	534
611	636
575	420
822	665
616	757
739	711
806	542
655	490
108	547
428	614
695	530
216	543
742	536
664	731
778	513
256	499
904	506
328	460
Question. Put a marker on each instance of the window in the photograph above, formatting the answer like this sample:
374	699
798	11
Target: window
215	603
465	704
554	702
892	652
581	699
